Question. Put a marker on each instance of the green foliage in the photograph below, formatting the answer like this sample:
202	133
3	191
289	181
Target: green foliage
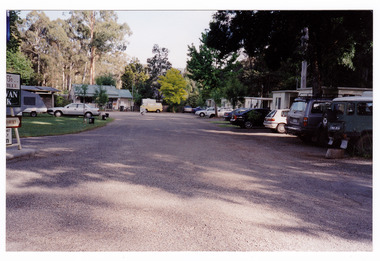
13	45
17	62
82	90
65	50
173	87
134	74
60	101
100	96
208	68
235	91
106	79
338	48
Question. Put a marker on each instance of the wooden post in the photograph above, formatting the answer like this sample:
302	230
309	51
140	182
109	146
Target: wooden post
16	131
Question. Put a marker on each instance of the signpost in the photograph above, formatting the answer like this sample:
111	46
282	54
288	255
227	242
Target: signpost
13	100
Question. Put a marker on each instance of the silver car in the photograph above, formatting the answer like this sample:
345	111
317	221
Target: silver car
74	109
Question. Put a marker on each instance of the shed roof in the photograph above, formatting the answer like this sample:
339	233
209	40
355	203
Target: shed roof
111	91
39	88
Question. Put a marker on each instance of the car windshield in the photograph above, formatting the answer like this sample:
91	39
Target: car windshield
298	106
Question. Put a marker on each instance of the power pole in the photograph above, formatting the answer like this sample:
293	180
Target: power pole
304	43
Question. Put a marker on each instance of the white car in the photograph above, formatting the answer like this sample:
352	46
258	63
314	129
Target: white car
202	113
276	120
74	109
221	111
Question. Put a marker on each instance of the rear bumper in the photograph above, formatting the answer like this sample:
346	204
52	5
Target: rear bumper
296	130
271	125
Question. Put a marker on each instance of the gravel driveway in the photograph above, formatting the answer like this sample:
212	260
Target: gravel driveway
176	182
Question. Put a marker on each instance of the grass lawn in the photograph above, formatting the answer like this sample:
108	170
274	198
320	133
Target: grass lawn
48	125
224	124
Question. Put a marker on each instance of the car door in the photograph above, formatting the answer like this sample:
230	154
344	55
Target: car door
71	109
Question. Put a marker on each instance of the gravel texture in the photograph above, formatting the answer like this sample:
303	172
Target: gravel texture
177	182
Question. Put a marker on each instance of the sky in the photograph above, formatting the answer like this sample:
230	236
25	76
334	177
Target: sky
174	30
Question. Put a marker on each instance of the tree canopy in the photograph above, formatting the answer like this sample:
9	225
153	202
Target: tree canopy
173	87
338	46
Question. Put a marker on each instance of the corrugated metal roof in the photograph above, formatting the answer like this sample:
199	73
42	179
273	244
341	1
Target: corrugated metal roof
39	88
111	91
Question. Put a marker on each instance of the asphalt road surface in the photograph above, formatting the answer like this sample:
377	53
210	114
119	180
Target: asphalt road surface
177	182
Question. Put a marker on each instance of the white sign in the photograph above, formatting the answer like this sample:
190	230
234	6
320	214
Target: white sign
9	136
13	81
13	122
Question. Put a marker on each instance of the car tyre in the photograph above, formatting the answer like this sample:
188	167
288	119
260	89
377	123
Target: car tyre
364	145
88	115
57	114
33	114
158	111
281	128
248	125
201	114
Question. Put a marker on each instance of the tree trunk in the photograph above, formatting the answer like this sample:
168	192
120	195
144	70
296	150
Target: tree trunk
84	73
93	52
216	110
317	89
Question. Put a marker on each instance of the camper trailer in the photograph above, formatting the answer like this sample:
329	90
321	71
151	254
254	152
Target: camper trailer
30	103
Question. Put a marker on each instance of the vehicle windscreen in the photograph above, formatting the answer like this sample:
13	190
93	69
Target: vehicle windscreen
298	106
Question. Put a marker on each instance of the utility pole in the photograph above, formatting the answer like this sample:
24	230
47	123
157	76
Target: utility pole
304	43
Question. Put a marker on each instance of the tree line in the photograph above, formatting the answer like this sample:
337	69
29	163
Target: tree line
242	53
251	53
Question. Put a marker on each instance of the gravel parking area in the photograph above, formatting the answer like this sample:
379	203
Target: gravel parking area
176	182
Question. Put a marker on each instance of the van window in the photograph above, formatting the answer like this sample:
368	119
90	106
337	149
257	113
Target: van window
298	106
30	101
338	108
350	108
365	108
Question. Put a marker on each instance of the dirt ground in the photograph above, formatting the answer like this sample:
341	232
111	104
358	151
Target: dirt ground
177	182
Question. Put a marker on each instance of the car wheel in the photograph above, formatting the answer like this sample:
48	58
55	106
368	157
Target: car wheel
33	114
88	115
158	111
57	114
248	125
281	128
364	145
201	114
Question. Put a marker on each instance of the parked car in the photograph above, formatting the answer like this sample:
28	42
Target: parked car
349	122
31	103
199	108
228	115
250	118
305	119
202	113
74	109
187	109
221	111
276	120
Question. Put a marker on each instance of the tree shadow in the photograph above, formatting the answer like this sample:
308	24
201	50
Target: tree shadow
320	192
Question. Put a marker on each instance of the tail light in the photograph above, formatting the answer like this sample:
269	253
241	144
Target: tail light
235	117
269	119
305	121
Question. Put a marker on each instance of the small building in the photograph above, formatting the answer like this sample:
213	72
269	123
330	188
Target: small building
284	99
46	93
257	102
117	98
